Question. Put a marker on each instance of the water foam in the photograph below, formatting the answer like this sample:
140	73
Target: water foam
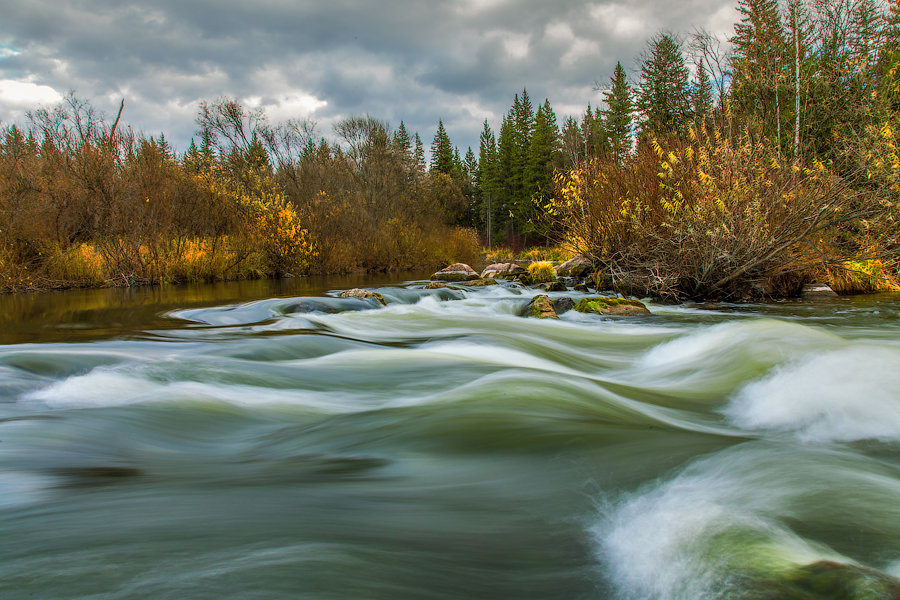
843	395
709	528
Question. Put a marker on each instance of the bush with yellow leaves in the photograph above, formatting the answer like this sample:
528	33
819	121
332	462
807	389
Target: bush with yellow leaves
708	216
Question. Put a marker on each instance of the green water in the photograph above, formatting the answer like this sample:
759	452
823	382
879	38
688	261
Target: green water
266	440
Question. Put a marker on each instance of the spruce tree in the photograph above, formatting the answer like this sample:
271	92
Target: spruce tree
442	159
702	94
618	115
664	93
487	182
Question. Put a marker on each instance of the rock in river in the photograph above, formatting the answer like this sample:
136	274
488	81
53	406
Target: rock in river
607	305
363	295
456	272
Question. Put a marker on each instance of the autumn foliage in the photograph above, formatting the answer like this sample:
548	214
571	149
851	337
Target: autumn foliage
85	202
713	217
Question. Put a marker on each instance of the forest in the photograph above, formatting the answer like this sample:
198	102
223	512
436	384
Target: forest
717	169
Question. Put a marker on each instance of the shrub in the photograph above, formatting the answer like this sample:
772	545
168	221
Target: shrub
703	217
541	272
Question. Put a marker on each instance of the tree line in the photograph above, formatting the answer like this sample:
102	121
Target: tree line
705	144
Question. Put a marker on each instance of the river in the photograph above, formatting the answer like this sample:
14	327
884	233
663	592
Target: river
270	440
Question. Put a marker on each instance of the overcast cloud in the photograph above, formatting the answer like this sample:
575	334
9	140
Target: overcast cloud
456	60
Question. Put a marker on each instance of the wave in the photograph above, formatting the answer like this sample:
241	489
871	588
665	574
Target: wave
729	525
843	395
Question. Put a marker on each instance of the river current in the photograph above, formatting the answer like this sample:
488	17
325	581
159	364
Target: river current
300	445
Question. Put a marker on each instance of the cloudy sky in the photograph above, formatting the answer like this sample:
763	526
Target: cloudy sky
419	61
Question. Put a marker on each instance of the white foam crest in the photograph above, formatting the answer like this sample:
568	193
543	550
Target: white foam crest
683	538
843	395
21	489
765	340
102	388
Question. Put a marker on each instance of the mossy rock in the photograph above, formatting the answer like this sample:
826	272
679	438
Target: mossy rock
829	580
479	283
363	295
541	307
456	272
608	305
581	288
435	285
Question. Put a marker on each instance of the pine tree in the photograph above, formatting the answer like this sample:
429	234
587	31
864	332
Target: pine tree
487	182
442	152
702	94
402	142
542	151
664	93
618	115
419	154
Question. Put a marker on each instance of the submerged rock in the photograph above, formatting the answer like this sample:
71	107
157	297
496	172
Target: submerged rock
479	282
541	307
608	305
363	295
501	270
435	285
829	580
456	272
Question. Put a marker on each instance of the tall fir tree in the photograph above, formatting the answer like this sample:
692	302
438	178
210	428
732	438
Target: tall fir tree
702	94
442	158
664	94
488	185
619	113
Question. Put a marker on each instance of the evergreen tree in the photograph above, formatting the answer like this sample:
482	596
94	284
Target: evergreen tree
618	115
664	93
702	94
402	142
442	159
487	182
419	154
542	151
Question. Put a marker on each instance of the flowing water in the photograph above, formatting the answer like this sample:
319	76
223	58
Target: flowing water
200	443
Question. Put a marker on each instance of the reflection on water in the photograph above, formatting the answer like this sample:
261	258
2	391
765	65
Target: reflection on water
271	440
95	313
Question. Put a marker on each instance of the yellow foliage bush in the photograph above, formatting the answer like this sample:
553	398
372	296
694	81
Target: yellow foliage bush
280	236
541	272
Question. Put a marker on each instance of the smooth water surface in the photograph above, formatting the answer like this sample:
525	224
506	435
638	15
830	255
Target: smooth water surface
259	442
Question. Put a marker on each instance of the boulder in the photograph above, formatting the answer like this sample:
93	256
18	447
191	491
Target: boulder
817	291
435	285
363	295
456	272
580	287
541	307
580	266
606	305
501	270
553	286
564	304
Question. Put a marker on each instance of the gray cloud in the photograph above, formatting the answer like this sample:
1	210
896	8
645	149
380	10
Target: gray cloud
459	61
